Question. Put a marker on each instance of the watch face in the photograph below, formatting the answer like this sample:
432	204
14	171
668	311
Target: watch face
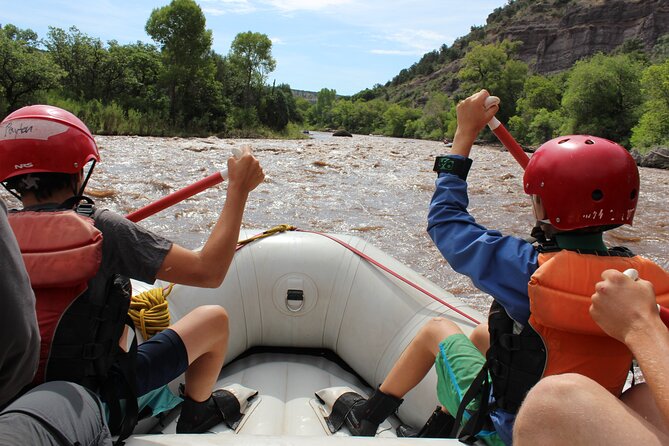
445	164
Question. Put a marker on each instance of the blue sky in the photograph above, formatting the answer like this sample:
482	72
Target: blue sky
345	45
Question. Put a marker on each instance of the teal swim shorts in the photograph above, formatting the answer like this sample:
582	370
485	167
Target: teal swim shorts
457	365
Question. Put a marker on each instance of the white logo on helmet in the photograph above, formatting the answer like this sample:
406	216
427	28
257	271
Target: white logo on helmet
31	129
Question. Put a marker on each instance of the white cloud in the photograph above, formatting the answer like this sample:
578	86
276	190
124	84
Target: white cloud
394	52
221	7
415	41
305	5
277	41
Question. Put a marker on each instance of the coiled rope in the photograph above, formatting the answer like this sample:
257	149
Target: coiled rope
149	311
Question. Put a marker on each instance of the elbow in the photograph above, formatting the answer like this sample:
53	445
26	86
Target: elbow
211	278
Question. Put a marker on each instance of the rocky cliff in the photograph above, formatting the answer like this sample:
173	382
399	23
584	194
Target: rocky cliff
555	34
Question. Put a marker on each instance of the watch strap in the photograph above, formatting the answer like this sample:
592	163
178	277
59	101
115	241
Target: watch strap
456	166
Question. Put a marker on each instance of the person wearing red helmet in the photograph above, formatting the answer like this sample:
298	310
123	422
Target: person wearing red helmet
539	324
43	154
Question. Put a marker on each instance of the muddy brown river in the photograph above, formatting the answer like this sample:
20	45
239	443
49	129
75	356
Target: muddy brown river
373	187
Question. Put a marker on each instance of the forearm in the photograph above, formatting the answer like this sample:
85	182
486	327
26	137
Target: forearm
219	250
650	346
463	142
208	266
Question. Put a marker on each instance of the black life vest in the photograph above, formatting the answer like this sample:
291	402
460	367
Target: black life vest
62	251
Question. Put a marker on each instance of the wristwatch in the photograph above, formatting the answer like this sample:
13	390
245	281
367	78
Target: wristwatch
456	166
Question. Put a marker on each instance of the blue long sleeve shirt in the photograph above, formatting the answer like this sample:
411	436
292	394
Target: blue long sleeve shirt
499	265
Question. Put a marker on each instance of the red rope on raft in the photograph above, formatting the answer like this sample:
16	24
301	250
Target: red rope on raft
388	270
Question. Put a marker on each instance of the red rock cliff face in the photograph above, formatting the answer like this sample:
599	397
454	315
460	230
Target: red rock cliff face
554	43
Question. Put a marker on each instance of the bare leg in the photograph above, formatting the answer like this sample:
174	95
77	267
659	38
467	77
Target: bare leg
418	357
481	338
642	401
204	331
572	409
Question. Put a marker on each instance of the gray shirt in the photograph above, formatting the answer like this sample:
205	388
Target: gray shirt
19	334
127	249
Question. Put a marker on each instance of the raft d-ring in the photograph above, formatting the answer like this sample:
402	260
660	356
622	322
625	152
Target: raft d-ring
294	300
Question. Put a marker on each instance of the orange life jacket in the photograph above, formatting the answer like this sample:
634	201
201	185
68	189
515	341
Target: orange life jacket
560	292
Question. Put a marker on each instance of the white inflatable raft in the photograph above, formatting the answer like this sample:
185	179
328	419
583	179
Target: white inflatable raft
307	313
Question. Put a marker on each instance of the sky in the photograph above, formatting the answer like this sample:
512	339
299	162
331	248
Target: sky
343	45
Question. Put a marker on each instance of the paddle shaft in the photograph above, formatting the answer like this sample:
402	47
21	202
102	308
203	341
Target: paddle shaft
505	137
182	194
177	196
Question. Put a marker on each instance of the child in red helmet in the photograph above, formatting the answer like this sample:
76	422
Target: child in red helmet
539	323
43	151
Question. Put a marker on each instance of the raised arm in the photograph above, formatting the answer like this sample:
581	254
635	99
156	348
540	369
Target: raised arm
208	267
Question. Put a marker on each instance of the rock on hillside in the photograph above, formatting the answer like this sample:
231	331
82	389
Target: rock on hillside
554	37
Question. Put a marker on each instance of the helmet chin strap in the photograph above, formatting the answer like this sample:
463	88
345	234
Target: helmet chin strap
78	195
83	185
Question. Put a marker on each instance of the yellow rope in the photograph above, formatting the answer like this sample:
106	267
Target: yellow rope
149	311
271	231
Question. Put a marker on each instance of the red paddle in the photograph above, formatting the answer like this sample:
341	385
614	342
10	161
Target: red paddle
182	194
505	137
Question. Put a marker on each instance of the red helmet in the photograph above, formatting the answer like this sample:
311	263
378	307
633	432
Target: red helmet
42	138
584	181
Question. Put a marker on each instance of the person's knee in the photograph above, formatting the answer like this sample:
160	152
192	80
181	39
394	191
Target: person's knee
214	319
481	338
436	330
551	398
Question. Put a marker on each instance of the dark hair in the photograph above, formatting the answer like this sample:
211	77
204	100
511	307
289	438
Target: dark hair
44	184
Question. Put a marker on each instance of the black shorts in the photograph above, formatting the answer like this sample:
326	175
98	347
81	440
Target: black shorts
160	360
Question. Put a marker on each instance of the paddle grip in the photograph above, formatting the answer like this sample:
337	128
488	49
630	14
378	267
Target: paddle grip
505	137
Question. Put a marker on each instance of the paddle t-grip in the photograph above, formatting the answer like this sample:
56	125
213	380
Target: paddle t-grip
632	274
504	136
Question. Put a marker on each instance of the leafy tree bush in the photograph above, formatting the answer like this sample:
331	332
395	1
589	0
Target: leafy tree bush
603	97
25	70
494	68
653	126
537	117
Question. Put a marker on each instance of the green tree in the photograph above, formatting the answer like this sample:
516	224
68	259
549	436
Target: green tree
397	118
190	70
436	116
603	97
493	67
25	71
653	127
278	108
538	118
251	56
135	84
322	111
85	60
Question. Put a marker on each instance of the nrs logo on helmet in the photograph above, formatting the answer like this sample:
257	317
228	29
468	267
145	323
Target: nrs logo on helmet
43	138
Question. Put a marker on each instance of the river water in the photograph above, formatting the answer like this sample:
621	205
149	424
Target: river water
374	187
